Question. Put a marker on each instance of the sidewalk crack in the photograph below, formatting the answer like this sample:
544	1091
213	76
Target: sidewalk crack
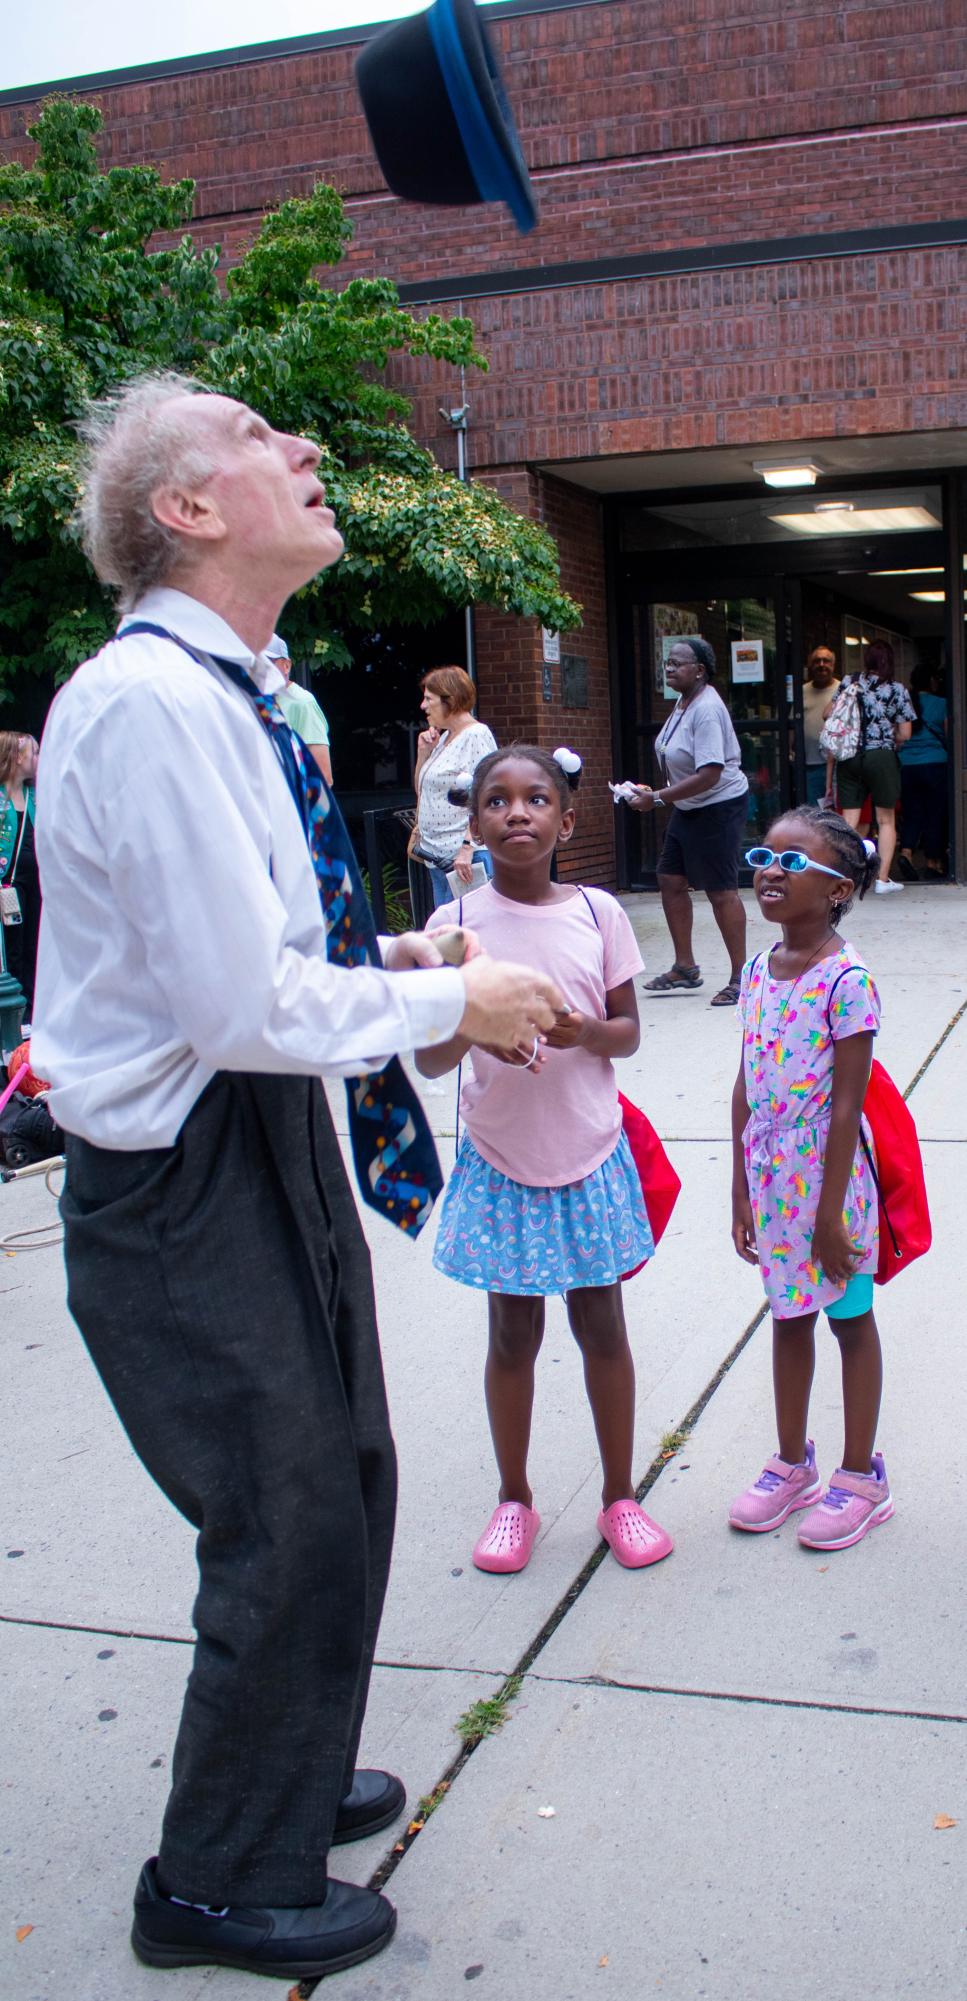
752	1699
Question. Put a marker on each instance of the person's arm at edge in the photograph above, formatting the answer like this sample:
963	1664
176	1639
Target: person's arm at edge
743	1222
320	751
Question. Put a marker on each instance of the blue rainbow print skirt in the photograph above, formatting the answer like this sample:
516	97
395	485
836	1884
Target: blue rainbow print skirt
502	1236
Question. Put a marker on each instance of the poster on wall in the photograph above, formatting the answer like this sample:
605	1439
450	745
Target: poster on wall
670	623
748	661
669	639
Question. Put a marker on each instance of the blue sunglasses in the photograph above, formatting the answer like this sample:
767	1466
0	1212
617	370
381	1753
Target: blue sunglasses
792	860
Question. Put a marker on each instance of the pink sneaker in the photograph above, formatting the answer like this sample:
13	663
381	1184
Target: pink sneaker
632	1536
780	1489
508	1538
852	1503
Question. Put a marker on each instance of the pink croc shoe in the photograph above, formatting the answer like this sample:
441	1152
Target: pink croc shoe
632	1537
508	1538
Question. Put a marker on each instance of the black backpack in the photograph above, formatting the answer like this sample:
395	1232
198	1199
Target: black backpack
28	1133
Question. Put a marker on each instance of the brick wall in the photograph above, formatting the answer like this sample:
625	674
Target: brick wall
588	84
651	128
510	669
836	347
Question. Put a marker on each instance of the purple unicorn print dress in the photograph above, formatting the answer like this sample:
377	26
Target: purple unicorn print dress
789	1029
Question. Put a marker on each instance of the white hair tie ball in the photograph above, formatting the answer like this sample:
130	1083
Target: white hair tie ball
568	760
869	849
462	782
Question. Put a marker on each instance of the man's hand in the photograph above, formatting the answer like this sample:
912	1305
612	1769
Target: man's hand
416	948
643	801
507	1005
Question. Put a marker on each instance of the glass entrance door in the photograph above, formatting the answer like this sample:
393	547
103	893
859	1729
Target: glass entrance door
750	631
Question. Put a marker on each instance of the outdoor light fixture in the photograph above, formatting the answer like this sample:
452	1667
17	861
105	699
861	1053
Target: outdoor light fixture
787	472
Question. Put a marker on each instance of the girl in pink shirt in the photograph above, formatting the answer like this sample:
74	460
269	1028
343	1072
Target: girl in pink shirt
544	1197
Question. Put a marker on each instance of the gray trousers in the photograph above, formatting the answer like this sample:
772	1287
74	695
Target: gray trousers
223	1288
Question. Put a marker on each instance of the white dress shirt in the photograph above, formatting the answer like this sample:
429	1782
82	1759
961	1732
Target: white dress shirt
182	932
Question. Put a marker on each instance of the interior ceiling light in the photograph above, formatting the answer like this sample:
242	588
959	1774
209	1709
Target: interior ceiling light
934	570
848	519
787	472
930	597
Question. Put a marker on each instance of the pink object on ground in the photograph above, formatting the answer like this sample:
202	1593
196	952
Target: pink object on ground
632	1537
782	1486
508	1538
852	1504
14	1082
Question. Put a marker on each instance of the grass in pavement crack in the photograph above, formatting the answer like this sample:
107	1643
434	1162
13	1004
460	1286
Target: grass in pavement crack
483	1718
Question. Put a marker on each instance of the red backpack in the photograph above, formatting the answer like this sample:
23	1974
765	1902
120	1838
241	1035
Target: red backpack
905	1231
897	1169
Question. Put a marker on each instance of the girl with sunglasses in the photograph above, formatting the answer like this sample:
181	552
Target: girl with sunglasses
804	1202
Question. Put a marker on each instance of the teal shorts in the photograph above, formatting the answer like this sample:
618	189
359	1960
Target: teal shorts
857	1298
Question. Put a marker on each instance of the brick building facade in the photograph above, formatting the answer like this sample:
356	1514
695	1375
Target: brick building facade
753	236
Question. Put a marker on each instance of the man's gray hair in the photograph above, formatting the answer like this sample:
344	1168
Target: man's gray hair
135	440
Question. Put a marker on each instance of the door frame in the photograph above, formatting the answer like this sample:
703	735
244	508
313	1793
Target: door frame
767	568
638	736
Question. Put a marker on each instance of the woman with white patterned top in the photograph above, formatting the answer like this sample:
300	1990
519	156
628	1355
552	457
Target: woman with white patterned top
453	743
887	716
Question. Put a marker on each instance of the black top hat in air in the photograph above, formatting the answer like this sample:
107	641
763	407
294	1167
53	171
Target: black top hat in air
438	118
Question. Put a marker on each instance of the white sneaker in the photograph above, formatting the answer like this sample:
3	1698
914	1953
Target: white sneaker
888	888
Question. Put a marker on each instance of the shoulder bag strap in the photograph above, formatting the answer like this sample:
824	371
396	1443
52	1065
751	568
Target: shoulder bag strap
456	1123
20	841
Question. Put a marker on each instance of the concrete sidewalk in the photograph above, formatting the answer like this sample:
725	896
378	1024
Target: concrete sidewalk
745	1749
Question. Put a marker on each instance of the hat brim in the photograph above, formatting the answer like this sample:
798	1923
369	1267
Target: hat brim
435	74
480	107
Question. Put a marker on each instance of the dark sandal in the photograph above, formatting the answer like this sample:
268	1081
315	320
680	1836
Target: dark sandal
680	979
727	996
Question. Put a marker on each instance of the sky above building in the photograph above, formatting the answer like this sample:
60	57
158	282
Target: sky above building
58	39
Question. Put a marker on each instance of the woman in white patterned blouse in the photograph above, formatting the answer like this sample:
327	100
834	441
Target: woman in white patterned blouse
452	743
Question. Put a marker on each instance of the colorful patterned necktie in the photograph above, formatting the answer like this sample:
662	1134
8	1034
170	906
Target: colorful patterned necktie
395	1159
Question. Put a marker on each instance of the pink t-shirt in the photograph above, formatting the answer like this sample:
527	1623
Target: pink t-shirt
558	1125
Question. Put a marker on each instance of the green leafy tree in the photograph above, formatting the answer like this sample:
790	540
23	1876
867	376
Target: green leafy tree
86	303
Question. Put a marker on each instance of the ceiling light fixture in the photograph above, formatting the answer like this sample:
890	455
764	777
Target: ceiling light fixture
845	518
787	472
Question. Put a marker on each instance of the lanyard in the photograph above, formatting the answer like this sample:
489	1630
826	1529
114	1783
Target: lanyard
661	749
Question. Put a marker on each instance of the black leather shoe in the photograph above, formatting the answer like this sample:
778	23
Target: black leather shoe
294	1944
376	1799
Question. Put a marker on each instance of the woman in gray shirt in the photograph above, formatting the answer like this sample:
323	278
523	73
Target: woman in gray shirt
706	789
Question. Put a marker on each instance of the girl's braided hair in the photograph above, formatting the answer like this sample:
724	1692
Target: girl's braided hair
563	767
857	858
